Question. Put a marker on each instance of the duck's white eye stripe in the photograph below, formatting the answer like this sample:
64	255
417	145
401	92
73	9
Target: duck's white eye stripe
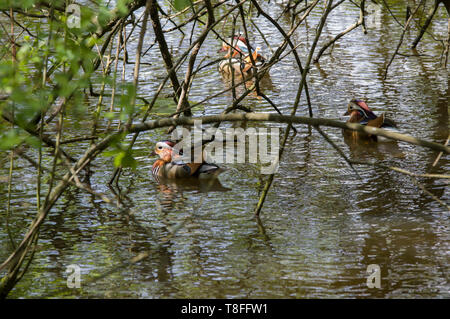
165	145
362	110
242	45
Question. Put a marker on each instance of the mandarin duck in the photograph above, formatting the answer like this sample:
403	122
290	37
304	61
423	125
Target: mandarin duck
242	66
170	164
360	113
238	60
238	47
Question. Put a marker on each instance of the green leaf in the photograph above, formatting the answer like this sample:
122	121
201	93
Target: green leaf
122	6
110	115
111	152
10	139
129	161
33	141
118	159
125	159
180	5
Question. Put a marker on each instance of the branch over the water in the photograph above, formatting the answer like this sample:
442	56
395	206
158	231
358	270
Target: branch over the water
272	117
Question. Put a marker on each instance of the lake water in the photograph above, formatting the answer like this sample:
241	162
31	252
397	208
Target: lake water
321	224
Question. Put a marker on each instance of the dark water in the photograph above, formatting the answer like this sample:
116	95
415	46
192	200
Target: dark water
321	225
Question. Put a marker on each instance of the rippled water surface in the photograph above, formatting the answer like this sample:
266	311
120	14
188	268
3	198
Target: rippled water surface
321	225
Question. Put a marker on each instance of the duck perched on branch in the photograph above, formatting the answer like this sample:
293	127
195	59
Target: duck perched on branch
171	164
360	113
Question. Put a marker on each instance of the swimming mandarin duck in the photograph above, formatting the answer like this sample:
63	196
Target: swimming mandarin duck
360	113
239	47
171	165
238	59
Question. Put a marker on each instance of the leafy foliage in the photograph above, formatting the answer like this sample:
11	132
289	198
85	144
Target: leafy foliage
181	4
68	56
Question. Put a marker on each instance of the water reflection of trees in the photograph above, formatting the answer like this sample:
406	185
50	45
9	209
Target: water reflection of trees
51	74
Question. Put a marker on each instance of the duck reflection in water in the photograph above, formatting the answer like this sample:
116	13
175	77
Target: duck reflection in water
172	190
265	83
361	149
